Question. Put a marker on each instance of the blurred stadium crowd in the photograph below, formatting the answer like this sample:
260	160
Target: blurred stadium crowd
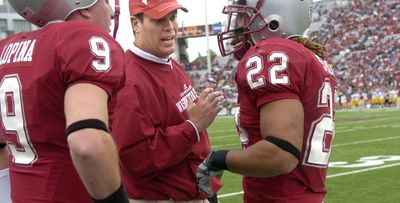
363	42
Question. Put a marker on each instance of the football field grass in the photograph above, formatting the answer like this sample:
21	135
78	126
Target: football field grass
364	162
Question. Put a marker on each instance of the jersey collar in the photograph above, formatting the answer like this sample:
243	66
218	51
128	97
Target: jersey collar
149	56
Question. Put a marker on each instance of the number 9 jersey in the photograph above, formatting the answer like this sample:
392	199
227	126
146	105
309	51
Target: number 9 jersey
36	68
276	69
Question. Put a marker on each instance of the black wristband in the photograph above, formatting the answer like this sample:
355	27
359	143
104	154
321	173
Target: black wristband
118	196
2	145
218	159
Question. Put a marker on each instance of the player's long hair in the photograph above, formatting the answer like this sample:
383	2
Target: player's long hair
318	49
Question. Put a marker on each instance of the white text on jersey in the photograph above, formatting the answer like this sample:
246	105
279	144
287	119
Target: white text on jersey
188	93
18	52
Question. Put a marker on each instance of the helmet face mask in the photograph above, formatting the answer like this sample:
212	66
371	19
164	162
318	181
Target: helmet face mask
41	12
264	19
235	38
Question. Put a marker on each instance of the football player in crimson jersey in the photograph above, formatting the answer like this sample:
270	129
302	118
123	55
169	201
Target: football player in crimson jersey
56	85
161	136
286	99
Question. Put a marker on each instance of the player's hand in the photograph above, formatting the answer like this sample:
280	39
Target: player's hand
206	109
205	172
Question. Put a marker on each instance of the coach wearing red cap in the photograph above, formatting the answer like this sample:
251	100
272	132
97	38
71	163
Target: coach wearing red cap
160	132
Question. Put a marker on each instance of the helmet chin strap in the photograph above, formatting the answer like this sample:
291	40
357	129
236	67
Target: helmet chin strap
116	18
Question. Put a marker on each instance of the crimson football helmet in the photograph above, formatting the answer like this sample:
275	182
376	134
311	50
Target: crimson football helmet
256	20
40	12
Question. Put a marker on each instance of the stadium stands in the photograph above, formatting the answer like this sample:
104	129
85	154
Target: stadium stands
363	42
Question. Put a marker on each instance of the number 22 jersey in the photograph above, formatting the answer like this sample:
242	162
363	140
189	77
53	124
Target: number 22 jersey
276	69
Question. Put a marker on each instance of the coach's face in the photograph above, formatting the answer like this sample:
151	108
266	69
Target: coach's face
157	37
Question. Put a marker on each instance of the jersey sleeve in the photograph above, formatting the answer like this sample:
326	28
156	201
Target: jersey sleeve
88	55
273	73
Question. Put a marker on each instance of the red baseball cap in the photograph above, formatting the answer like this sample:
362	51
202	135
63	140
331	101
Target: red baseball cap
155	9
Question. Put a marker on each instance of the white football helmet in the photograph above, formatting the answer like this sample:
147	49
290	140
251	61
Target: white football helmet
265	19
40	12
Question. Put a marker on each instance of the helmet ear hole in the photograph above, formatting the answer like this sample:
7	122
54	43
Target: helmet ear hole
273	25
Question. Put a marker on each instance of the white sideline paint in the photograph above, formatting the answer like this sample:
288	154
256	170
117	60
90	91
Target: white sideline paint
337	131
362	170
222	130
226	136
335	145
230	194
330	176
358	128
366	141
369	120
